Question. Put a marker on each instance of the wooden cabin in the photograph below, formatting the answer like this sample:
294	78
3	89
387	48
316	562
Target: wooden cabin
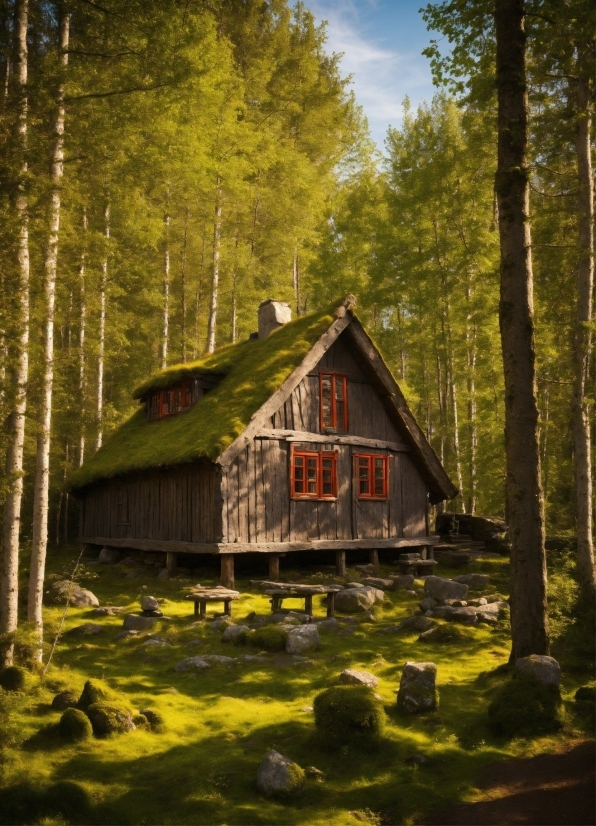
297	439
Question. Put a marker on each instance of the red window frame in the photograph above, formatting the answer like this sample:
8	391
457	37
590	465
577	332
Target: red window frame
313	474
337	407
176	399
372	484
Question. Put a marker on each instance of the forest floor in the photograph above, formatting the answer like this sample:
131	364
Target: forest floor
220	723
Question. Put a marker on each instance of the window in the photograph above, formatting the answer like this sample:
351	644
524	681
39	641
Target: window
175	399
122	517
313	475
333	395
372	476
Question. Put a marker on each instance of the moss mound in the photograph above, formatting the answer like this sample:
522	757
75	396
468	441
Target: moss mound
345	710
141	721
65	699
92	693
586	694
67	799
13	678
444	634
269	638
109	719
525	707
74	726
154	718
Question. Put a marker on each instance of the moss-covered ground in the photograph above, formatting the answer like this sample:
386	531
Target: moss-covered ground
220	723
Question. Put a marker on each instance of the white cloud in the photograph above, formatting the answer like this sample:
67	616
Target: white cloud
382	76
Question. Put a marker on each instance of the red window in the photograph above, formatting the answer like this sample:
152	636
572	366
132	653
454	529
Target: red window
176	399
313	475
333	395
372	476
155	405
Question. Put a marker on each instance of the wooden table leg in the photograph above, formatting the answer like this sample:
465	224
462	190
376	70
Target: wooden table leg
227	607
196	608
203	609
331	604
308	604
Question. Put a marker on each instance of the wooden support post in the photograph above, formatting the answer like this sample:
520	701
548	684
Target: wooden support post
424	552
308	604
227	570
373	556
340	563
331	604
273	566
171	563
227	607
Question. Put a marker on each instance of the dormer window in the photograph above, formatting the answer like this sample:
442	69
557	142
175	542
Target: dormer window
333	395
175	399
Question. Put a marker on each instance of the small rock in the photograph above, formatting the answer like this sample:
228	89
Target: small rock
455	603
191	643
427	604
441	589
125	634
353	585
77	596
417	688
303	638
157	644
278	775
329	624
390	629
259	621
133	622
411	593
418	758
280	617
377	582
109	556
149	603
307	709
192	664
357	600
466	615
485	617
352	676
494	598
220	659
416	623
478	602
106	611
365	569
475	582
88	629
403	581
314	773
131	562
234	632
252	658
298	617
163	574
545	669
153	613
221	623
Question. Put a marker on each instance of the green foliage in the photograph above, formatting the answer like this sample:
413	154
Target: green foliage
92	693
75	726
109	719
525	707
563	592
68	799
269	638
345	710
586	694
13	678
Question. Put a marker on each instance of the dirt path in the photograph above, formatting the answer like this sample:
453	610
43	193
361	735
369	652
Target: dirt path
548	790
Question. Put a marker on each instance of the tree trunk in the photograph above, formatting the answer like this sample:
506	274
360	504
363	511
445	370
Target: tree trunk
472	425
166	297
296	280
183	274
103	286
529	623
215	279
583	342
42	467
82	330
16	437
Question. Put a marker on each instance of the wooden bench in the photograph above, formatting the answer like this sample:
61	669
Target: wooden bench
202	597
304	591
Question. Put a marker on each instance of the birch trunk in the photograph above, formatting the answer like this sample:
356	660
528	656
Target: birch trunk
16	436
215	279
82	331
3	347
296	280
183	274
166	297
472	426
583	342
103	286
529	622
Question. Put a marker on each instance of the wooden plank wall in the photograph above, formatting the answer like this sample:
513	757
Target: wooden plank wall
170	504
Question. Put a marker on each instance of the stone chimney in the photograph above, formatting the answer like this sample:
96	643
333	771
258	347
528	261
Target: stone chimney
273	314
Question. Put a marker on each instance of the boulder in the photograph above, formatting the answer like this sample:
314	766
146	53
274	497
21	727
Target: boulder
352	676
192	664
480	528
133	622
221	623
106	611
405	581
235	633
427	604
545	669
65	699
88	629
377	582
417	689
441	589
303	638
149	603
164	574
79	597
466	615
356	600
365	569
478	602
109	556
123	635
416	623
220	659
475	582
298	616
443	634
279	776
329	624
109	719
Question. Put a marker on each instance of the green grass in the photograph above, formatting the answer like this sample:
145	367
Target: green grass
220	723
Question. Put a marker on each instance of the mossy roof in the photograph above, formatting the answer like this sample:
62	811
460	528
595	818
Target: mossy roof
253	370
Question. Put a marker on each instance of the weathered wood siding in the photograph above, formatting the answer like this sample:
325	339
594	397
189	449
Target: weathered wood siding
180	504
258	506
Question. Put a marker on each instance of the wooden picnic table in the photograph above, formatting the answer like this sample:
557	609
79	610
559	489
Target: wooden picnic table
204	595
303	591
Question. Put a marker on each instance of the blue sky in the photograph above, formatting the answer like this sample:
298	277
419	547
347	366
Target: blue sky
382	41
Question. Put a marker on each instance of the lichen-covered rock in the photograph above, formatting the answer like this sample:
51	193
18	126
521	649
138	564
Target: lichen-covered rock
403	581
352	676
154	718
149	603
278	776
416	623
441	589
192	664
235	633
77	596
92	693
65	699
303	638
544	669
417	688
357	600
475	582
109	719
133	622
378	582
88	629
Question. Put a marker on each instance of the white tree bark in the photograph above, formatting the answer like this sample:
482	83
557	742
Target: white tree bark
14	452
103	286
166	297
82	331
296	280
215	279
583	343
183	285
42	467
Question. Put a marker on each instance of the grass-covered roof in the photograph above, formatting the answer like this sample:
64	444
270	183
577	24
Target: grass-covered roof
253	370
